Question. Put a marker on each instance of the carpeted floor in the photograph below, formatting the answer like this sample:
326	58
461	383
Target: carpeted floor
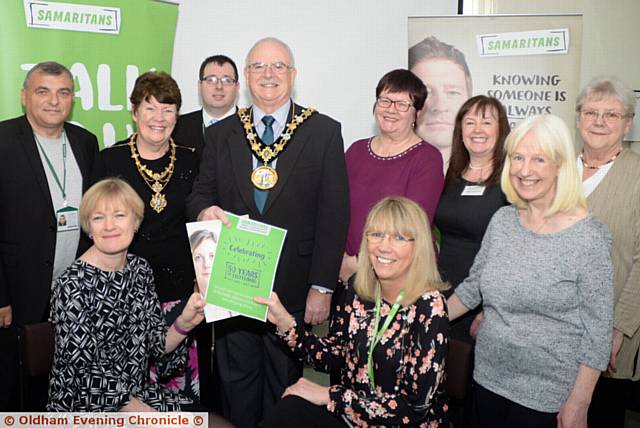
632	420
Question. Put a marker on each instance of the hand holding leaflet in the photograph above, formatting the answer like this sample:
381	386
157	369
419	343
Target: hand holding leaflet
244	266
203	239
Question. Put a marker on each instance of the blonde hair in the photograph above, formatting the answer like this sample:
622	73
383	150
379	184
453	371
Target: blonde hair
401	215
553	138
114	189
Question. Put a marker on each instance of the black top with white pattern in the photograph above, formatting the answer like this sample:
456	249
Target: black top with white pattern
108	326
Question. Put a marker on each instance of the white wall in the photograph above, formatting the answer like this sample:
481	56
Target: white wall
609	36
609	33
341	47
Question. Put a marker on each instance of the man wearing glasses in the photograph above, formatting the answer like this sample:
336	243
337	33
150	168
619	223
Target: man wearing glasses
300	184
218	89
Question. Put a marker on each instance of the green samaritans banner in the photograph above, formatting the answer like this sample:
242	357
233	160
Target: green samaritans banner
105	43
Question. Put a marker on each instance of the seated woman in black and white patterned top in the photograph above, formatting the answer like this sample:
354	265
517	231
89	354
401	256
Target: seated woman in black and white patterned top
108	322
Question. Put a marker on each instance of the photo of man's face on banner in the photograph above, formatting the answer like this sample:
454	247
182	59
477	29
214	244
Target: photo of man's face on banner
444	71
531	64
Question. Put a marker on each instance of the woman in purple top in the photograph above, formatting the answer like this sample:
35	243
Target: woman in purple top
396	162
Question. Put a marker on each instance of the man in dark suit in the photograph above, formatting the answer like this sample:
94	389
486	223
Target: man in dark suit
47	166
304	190
218	89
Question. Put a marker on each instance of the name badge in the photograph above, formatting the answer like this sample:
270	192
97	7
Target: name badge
473	190
67	219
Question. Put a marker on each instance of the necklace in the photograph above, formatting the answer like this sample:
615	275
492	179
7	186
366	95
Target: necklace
265	177
394	150
586	165
477	174
478	167
156	181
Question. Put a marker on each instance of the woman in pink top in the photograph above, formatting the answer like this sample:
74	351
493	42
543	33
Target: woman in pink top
396	162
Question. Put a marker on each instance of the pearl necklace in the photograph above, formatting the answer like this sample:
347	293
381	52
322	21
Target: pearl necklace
479	174
479	167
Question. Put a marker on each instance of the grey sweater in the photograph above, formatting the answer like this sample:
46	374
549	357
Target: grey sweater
548	305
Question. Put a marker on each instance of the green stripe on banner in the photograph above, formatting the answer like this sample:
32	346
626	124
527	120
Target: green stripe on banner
105	43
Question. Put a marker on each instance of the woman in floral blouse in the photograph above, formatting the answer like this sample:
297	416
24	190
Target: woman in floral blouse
388	342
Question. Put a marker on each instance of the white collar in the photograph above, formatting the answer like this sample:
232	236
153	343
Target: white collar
206	118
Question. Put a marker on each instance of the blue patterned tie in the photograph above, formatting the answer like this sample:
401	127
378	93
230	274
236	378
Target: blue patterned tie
260	196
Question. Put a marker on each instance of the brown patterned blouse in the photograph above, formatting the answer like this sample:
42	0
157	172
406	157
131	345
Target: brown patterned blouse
408	362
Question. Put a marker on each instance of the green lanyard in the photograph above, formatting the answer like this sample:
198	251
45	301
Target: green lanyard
62	186
377	335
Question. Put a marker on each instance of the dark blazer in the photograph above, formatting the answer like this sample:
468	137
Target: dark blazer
189	131
162	238
27	217
310	199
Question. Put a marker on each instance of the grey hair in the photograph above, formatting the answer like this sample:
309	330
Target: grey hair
608	86
271	40
50	68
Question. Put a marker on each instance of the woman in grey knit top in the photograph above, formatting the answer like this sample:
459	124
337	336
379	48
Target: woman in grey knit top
543	275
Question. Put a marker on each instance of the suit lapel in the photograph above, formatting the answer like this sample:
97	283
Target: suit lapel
198	122
28	143
241	159
287	160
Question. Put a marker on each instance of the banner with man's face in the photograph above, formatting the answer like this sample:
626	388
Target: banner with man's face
106	44
530	63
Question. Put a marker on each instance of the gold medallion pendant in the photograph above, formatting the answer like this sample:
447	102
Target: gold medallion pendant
158	202
264	177
156	181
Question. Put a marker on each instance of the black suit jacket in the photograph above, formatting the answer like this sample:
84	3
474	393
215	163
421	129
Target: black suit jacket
27	216
310	200
189	131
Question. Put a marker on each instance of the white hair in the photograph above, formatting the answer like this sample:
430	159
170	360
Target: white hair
271	40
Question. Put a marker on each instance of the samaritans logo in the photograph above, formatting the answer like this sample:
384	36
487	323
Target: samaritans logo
539	42
73	17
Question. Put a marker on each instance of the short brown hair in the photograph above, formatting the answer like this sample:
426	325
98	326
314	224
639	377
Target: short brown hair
431	48
404	81
111	188
220	60
159	85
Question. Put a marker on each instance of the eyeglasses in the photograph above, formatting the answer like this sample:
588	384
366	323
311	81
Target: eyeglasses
213	80
608	116
260	67
401	105
395	239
